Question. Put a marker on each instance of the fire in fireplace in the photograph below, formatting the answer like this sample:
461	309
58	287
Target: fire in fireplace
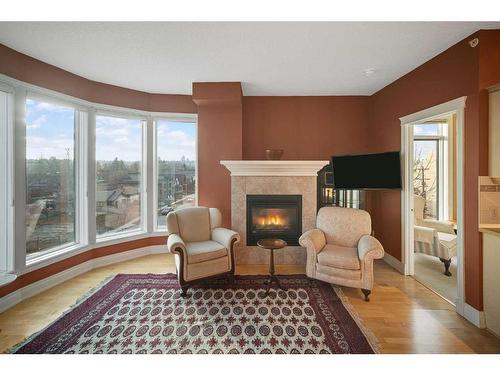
274	216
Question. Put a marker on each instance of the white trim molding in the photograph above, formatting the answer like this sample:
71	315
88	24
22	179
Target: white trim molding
394	263
440	109
30	290
274	167
474	316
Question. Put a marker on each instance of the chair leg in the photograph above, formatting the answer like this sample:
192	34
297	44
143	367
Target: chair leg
447	264
184	291
366	292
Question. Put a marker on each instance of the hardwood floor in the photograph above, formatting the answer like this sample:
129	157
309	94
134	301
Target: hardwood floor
405	316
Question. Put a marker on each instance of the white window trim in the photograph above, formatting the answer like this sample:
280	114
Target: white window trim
86	165
6	192
443	168
80	152
144	175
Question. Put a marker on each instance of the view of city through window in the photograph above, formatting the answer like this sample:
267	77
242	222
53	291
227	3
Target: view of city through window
50	176
118	174
176	158
51	180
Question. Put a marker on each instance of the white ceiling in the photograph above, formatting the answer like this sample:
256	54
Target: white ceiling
278	58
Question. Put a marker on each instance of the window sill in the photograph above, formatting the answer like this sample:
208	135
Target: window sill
67	252
7	278
117	238
52	256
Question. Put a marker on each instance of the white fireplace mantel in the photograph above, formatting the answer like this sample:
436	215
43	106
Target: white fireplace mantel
274	167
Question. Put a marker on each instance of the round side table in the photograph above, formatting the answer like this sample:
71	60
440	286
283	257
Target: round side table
272	244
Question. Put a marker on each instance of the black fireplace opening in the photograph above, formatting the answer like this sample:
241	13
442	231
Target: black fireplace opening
274	216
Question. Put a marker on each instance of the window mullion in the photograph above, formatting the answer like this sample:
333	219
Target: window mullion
149	178
89	155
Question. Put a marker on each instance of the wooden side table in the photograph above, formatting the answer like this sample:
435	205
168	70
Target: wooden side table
272	244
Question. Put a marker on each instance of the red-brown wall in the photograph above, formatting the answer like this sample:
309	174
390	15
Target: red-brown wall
219	138
452	74
489	58
36	72
305	127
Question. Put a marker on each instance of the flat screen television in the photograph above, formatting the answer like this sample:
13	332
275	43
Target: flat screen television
370	171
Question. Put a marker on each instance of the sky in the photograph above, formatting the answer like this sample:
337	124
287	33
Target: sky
50	131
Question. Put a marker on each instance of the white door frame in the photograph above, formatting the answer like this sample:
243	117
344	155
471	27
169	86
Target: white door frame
456	106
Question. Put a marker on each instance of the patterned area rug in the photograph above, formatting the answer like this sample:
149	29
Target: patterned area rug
145	314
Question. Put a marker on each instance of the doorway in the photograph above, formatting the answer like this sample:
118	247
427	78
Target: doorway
432	199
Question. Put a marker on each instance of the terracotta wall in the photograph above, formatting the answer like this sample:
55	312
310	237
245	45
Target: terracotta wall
489	58
452	74
312	127
219	138
30	70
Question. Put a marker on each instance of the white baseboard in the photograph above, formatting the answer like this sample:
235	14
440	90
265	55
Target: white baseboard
474	316
32	289
394	263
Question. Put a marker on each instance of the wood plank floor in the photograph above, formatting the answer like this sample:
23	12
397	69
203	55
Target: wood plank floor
405	316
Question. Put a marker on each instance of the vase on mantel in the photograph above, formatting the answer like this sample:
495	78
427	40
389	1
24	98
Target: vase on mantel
274	154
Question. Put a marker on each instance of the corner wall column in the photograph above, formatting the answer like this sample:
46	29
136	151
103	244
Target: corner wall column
220	129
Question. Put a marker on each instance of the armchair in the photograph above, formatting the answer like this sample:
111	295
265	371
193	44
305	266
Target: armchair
341	250
202	249
432	237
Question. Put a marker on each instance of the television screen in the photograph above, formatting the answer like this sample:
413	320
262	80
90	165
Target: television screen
371	171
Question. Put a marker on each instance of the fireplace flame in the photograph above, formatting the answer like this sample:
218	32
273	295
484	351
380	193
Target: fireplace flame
271	221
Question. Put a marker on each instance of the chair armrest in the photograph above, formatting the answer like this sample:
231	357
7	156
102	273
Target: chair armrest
175	244
369	248
313	239
225	236
440	226
424	234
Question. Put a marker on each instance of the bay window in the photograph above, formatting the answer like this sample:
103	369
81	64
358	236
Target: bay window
119	175
175	166
79	173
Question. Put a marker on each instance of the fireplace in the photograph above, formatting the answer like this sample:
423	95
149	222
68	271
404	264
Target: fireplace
274	216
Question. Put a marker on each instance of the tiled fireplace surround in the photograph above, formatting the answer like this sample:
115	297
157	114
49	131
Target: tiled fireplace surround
272	177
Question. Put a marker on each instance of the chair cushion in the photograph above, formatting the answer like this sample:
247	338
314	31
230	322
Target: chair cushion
194	224
343	226
339	257
202	251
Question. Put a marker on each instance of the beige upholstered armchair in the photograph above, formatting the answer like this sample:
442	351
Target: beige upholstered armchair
421	221
432	237
341	250
202	249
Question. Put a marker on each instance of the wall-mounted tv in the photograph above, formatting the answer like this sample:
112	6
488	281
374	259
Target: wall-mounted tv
369	171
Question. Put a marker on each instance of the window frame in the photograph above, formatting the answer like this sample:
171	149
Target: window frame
107	112
173	117
442	183
79	163
7	189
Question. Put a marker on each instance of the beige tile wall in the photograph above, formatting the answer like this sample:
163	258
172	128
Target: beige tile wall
243	185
